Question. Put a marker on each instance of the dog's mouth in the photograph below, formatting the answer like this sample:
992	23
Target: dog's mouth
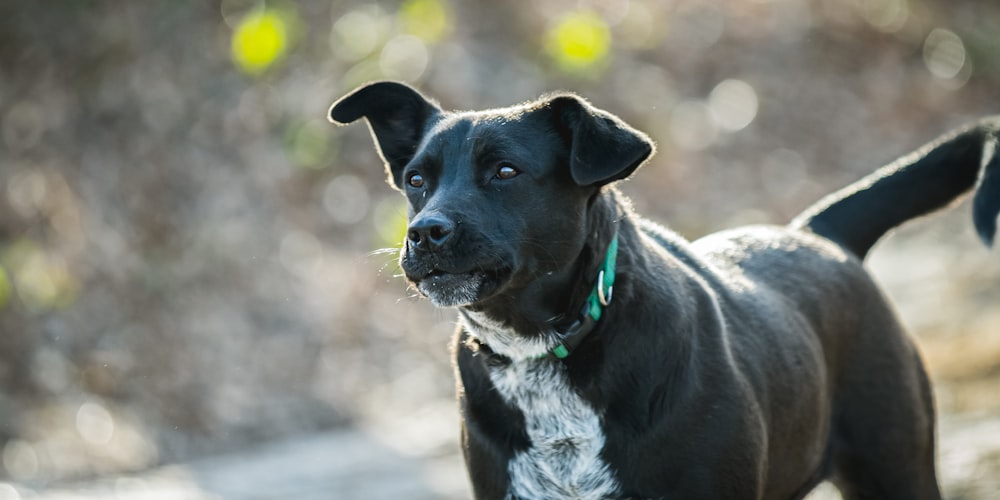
450	289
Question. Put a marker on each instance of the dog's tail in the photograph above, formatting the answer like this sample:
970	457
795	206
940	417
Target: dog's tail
927	179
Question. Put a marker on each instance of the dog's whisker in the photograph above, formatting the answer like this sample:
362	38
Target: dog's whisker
382	251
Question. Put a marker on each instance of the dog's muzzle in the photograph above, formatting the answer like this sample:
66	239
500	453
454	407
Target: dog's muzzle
444	266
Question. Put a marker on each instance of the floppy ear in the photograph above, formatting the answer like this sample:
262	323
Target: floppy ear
602	147
397	116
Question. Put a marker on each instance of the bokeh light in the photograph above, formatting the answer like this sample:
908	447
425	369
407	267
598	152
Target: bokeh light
404	57
885	15
261	39
946	58
20	460
639	27
8	492
580	40
95	423
944	53
43	281
358	33
429	20
733	104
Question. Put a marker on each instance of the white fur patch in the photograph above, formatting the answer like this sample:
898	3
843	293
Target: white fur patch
503	340
564	460
451	290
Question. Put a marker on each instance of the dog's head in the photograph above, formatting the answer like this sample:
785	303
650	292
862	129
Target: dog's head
497	198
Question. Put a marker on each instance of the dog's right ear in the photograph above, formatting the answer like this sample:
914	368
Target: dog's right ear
603	148
397	115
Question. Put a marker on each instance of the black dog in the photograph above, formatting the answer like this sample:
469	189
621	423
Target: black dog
602	356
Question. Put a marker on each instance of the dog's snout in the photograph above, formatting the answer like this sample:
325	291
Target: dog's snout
430	232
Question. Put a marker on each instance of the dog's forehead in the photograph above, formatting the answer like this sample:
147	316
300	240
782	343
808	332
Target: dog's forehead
505	131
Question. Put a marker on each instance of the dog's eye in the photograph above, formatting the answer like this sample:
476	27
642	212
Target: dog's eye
507	171
416	180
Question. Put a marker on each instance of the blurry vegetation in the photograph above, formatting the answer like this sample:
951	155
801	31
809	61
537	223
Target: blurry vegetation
429	20
189	253
262	38
578	41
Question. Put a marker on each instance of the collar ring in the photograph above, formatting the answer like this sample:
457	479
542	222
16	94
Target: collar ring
602	296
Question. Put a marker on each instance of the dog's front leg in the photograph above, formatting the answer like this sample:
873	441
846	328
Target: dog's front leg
485	463
492	432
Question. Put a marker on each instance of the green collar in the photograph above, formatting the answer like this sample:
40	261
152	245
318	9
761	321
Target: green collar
593	308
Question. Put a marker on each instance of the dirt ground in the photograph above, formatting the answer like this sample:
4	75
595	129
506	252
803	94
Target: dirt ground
422	462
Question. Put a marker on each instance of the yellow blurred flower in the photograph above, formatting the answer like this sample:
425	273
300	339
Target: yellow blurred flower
429	20
580	40
262	38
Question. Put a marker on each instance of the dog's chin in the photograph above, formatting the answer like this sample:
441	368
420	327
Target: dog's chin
458	289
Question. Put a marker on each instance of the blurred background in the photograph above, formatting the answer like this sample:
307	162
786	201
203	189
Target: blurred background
198	289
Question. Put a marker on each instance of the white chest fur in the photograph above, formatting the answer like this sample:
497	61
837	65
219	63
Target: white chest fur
564	460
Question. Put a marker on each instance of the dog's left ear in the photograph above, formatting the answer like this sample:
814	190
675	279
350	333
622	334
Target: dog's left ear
398	117
602	147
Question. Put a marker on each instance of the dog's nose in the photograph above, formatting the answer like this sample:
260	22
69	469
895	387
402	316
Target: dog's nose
430	232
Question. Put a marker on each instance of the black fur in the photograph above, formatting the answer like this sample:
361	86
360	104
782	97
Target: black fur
916	184
753	363
397	115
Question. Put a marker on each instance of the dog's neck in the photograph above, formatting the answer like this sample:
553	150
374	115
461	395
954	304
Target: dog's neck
533	320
